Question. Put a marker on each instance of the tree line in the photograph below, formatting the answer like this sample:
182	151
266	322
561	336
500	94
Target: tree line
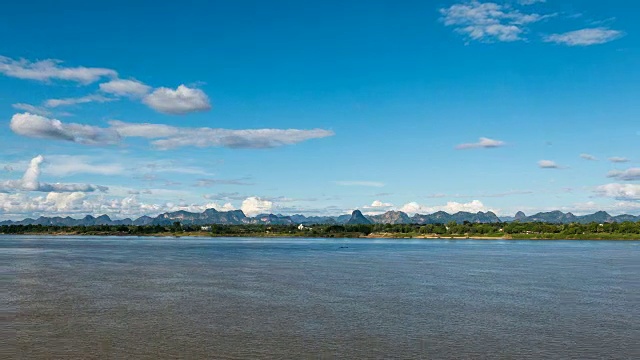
512	229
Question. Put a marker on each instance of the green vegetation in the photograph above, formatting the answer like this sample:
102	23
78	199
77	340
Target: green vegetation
514	230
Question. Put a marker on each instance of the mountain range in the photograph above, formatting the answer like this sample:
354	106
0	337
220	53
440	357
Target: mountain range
237	217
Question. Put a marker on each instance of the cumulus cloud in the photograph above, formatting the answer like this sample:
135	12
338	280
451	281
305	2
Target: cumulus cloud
585	37
618	159
380	204
30	182
78	204
53	103
47	70
179	101
22	205
254	205
36	126
631	174
624	192
589	157
451	207
123	87
483	143
548	164
359	183
377	207
488	21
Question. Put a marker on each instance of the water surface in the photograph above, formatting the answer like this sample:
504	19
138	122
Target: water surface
99	297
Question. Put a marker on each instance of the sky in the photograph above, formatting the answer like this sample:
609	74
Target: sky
319	107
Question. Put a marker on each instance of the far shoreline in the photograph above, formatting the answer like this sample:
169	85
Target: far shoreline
372	236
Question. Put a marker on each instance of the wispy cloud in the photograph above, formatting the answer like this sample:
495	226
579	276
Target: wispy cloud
53	103
483	143
585	37
122	87
37	126
618	159
38	110
482	195
213	182
359	183
65	165
50	69
549	164
631	174
488	21
166	137
588	157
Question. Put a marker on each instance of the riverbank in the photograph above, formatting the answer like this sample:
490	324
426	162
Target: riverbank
302	235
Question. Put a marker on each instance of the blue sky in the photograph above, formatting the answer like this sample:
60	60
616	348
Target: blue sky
319	107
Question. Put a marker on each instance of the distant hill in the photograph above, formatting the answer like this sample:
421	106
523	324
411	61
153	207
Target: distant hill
442	217
358	219
237	217
558	217
390	217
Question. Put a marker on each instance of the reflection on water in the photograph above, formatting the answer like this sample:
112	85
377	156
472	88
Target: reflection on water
256	298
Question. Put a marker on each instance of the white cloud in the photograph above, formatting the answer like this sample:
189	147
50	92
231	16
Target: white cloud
215	182
488	21
179	101
47	70
530	2
173	137
168	137
53	103
377	207
146	130
631	174
254	205
38	110
360	183
30	182
483	142
122	87
78	204
624	192
618	159
36	126
21	205
588	157
64	165
548	164
451	207
380	204
585	37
